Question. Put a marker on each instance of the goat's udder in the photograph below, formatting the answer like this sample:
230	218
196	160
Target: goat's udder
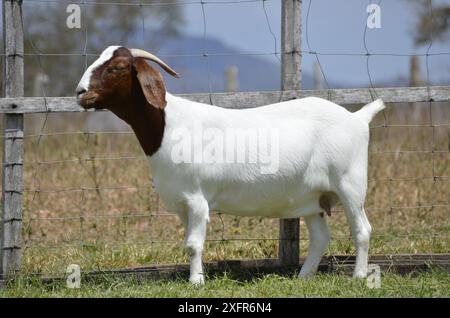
324	203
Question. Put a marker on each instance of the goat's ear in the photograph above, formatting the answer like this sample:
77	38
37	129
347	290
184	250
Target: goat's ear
152	83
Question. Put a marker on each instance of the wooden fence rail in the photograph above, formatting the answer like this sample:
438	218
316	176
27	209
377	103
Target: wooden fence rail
350	96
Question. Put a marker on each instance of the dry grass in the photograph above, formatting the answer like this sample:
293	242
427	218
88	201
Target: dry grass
108	215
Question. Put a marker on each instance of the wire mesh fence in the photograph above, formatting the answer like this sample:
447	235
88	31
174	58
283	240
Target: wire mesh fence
88	197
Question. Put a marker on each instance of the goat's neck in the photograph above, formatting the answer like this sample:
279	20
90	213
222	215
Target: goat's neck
147	123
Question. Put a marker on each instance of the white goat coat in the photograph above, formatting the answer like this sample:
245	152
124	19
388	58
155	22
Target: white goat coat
321	145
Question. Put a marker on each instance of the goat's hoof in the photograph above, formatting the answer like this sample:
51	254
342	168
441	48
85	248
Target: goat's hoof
197	280
359	274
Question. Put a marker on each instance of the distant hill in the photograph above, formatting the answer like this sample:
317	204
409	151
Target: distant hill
256	73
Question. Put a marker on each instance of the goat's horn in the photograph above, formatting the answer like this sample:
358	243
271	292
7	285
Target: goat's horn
149	56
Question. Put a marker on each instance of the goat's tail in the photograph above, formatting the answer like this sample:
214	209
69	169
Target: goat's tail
368	112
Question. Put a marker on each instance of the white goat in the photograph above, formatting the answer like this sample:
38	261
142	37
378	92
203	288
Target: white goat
318	154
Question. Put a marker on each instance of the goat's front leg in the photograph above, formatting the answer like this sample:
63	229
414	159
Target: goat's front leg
197	217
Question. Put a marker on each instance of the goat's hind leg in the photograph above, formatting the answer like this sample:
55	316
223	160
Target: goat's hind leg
353	201
319	237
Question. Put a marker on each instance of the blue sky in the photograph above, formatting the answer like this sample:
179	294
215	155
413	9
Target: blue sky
334	27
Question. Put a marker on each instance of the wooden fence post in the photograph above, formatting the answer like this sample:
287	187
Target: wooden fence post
11	229
288	252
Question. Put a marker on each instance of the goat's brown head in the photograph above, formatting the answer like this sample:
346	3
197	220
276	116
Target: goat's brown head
121	77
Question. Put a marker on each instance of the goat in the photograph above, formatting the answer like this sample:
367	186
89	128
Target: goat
319	155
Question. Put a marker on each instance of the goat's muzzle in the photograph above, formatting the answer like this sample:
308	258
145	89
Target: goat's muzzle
87	100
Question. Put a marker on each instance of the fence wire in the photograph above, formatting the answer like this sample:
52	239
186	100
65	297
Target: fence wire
155	226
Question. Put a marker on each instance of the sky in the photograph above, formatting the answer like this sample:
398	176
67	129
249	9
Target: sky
333	27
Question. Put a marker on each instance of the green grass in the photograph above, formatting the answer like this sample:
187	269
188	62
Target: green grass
102	256
433	283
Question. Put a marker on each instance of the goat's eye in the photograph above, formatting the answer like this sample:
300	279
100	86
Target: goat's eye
116	69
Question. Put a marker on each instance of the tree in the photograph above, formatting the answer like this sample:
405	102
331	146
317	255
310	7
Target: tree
437	23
